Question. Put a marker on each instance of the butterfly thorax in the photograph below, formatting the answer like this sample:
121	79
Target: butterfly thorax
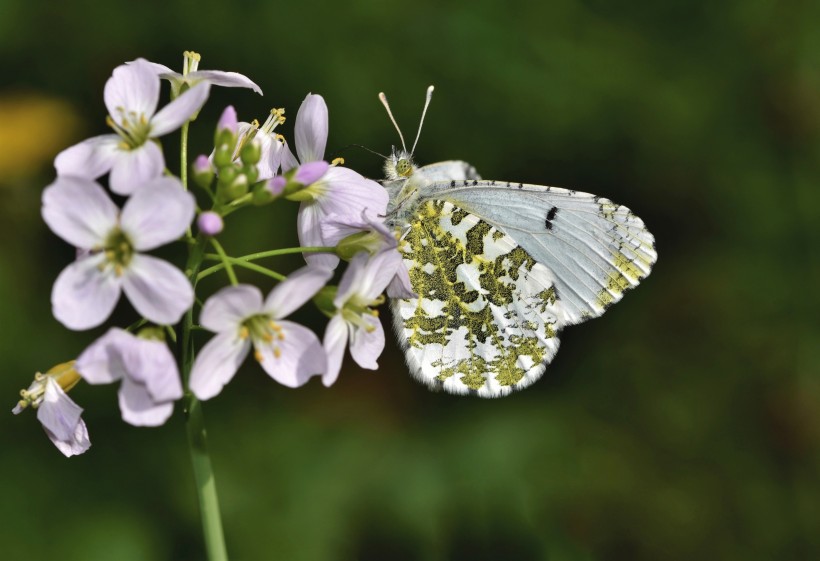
403	185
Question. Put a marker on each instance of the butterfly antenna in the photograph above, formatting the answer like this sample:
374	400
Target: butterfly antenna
423	113
363	148
383	99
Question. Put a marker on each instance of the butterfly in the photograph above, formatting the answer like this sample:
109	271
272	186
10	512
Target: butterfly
500	268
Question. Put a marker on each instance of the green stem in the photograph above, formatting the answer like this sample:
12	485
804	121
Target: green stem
195	427
239	263
285	251
183	156
226	261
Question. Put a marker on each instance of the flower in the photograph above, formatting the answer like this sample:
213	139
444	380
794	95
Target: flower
192	76
58	414
150	379
359	291
269	144
339	190
79	211
288	352
367	233
131	155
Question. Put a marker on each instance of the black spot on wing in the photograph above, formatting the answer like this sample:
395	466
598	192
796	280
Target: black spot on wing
550	217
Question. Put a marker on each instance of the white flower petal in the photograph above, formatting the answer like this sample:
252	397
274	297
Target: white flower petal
335	342
379	271
157	290
151	364
83	296
135	167
139	409
159	69
348	194
90	158
157	213
271	155
311	129
224	79
400	286
77	444
217	363
298	288
308	226
102	362
352	279
79	211
57	412
226	309
176	113
300	355
132	88
289	161
366	346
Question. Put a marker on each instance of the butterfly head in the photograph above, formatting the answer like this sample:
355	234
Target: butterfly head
400	163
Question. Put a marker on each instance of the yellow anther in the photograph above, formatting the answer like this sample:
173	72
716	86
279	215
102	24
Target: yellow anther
118	270
337	161
255	124
275	326
22	404
258	356
370	328
39	376
277	352
243	332
374	313
280	138
23	393
280	336
267	337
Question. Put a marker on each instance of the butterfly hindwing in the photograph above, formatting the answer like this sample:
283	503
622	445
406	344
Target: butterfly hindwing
487	316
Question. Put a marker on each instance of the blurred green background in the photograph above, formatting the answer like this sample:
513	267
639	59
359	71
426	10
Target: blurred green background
684	424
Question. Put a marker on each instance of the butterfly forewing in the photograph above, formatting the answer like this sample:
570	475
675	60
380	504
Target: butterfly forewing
487	316
594	248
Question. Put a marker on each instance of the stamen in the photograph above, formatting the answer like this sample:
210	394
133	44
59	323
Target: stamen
275	326
337	161
277	352
267	337
244	332
258	356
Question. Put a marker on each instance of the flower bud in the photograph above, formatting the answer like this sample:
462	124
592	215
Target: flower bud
324	300
251	152
223	155
202	171
227	122
310	172
237	188
276	186
210	223
368	241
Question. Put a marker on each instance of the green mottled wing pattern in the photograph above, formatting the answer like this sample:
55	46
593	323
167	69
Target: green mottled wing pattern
487	315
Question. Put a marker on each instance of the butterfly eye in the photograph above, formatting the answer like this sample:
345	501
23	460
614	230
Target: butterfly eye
403	168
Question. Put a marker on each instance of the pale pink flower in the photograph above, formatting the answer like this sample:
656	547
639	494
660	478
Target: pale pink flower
337	191
355	320
193	76
147	369
289	352
131	155
79	211
368	233
58	414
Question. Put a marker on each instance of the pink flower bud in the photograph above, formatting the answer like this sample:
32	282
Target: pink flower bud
202	165
276	185
228	120
311	172
210	223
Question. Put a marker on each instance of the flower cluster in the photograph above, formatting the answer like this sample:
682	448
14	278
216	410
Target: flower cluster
339	218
